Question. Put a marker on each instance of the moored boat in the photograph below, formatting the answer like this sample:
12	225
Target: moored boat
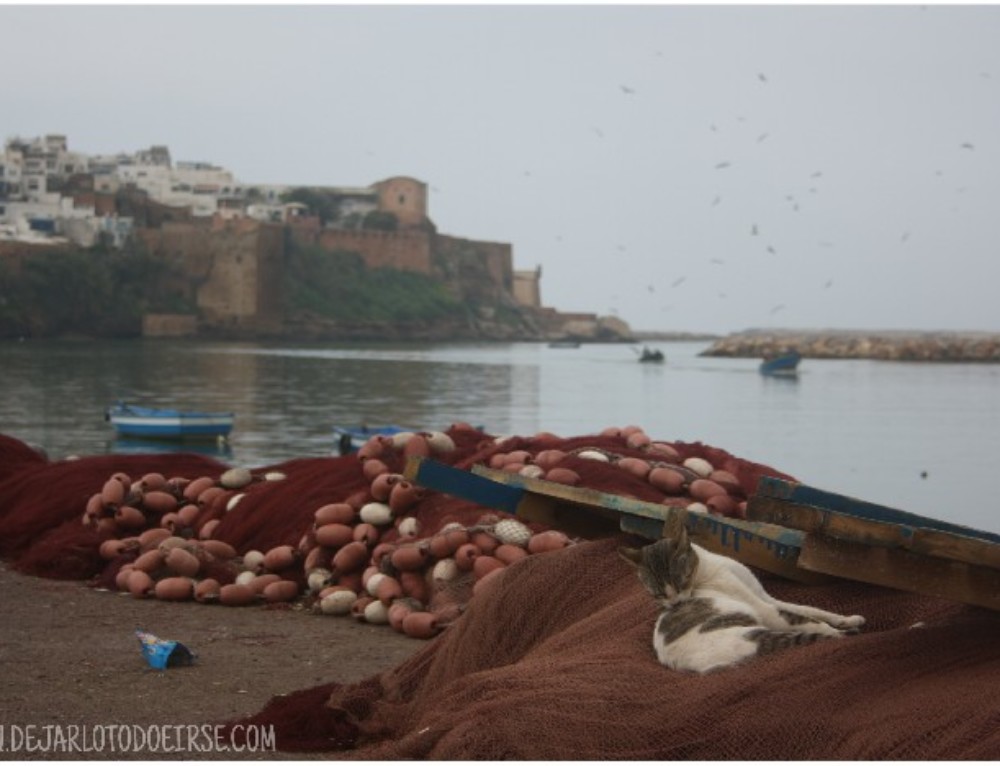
651	355
132	420
785	364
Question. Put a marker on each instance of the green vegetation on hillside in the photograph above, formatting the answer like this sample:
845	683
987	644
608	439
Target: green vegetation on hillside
96	292
337	285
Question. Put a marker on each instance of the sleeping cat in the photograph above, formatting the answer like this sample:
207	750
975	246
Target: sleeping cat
715	611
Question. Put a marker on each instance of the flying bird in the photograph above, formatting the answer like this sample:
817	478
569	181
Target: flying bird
761	77
829	284
716	201
761	137
968	146
777	308
626	89
722	165
771	250
678	281
906	236
753	230
719	261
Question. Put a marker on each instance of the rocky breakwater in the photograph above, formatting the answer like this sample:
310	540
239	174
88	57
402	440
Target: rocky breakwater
893	345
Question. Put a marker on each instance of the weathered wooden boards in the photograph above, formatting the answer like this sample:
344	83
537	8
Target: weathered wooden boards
881	545
589	513
793	530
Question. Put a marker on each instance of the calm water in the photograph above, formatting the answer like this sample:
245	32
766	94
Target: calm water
862	428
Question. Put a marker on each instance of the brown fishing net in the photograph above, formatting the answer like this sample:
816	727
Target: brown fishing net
552	657
555	662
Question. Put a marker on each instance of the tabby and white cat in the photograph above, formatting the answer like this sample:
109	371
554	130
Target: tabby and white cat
715	611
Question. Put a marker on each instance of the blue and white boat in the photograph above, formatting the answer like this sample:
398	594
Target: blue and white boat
781	365
131	420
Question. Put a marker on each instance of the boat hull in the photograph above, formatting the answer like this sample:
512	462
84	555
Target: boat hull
782	366
150	423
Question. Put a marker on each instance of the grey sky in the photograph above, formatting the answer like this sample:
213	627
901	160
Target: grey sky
684	167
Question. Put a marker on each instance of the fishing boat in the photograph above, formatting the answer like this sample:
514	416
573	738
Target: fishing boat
351	438
130	420
785	364
651	355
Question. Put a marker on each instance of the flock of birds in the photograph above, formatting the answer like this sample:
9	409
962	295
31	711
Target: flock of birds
793	201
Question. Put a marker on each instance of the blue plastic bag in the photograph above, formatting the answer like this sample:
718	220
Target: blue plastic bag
162	654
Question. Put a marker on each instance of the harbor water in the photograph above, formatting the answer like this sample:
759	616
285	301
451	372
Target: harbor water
920	437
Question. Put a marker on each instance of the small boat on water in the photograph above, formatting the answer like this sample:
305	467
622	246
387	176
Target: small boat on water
131	420
351	438
651	355
785	364
564	344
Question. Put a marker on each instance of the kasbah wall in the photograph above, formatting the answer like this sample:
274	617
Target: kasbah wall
234	267
235	264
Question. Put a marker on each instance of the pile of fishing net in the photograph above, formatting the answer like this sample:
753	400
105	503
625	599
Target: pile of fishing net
544	656
348	534
555	662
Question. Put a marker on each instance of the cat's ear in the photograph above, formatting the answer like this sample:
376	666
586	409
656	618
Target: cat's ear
683	543
675	524
633	556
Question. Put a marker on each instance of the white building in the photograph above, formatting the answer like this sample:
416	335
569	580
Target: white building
33	170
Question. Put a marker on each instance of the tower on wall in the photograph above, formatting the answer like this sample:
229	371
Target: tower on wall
405	197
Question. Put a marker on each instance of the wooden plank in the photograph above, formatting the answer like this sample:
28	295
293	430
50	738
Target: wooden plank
588	513
902	569
764	546
602	502
802	494
463	484
845	526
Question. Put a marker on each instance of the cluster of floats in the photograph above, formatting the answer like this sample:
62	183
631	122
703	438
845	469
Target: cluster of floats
376	554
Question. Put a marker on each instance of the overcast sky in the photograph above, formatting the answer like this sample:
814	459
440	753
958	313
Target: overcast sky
706	168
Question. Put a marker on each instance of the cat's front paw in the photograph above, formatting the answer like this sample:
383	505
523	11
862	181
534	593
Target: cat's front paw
851	624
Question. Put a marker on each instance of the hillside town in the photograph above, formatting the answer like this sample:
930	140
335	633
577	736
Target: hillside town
41	182
230	237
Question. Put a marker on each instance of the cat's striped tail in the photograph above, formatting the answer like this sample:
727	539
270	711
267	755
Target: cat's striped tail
775	640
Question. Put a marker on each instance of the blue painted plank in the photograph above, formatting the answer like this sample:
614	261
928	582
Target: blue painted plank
463	484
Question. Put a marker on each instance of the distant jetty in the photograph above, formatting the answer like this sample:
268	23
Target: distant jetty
893	345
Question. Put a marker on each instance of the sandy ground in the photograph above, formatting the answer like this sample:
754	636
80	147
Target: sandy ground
69	657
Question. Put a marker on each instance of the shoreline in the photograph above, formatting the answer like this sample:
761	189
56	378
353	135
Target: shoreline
888	345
